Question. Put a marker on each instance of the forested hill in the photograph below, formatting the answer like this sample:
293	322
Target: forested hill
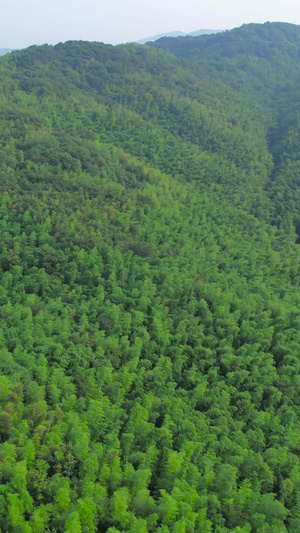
259	59
149	286
260	40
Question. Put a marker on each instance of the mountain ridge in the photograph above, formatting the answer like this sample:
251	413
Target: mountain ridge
177	34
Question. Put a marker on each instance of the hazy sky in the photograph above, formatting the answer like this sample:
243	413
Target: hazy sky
25	22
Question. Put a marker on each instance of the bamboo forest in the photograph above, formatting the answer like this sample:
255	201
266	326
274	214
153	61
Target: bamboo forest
150	285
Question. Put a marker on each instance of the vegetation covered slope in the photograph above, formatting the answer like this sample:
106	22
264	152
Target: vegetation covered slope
255	58
149	292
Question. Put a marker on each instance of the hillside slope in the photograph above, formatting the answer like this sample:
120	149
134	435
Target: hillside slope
149	288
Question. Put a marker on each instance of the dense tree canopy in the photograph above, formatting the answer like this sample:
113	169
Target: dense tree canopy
149	286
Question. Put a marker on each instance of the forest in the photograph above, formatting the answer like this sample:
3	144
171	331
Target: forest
149	285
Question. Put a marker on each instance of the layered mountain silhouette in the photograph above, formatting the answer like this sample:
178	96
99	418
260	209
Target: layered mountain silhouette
177	34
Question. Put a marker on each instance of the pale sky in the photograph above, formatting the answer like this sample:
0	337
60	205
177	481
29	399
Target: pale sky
26	22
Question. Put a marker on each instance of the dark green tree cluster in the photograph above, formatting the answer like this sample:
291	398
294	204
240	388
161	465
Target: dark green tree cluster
149	287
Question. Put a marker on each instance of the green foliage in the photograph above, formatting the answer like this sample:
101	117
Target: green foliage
149	286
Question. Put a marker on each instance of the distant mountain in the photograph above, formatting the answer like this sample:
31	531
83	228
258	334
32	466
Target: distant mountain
4	51
177	34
